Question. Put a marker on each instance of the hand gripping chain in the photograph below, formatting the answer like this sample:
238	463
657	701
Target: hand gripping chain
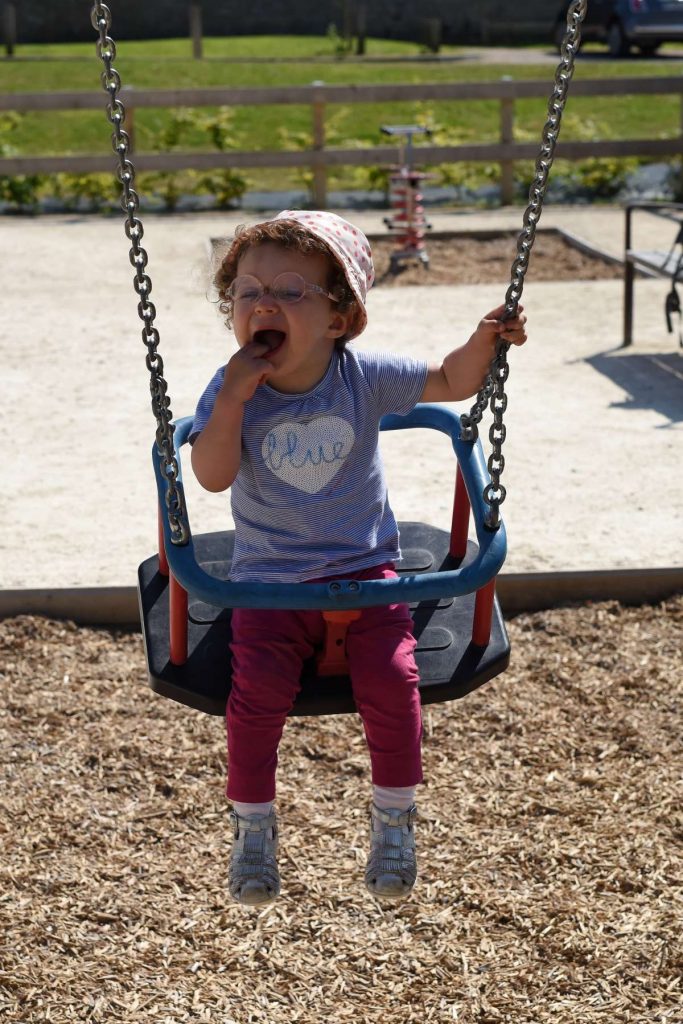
111	83
493	389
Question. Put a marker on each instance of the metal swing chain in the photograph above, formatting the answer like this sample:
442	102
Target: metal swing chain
493	389
111	83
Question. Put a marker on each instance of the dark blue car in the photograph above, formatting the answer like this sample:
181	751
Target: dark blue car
622	24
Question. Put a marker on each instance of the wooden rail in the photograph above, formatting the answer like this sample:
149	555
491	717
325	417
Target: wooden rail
318	96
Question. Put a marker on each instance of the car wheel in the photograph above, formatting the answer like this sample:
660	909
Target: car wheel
617	44
648	49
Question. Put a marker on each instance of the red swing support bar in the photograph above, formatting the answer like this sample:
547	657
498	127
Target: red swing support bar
178	604
483	605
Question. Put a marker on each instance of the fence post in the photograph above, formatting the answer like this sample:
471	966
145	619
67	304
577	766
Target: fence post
431	33
196	28
507	167
319	170
347	25
9	24
361	28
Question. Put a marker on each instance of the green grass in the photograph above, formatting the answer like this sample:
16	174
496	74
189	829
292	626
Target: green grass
228	47
168	63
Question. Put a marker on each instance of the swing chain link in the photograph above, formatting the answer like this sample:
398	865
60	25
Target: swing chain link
493	389
130	203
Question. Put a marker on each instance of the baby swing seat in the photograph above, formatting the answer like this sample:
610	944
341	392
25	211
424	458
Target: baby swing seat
447	580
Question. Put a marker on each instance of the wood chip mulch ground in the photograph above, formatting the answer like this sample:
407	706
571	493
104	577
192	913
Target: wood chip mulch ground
468	259
550	844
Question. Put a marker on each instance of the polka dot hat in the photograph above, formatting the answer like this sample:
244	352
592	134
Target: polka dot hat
349	245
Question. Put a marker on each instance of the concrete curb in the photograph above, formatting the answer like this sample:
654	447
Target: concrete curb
517	592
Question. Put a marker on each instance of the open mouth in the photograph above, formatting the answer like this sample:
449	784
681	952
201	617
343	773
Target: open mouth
270	337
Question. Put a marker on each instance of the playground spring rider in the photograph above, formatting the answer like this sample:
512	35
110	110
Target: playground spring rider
408	216
185	598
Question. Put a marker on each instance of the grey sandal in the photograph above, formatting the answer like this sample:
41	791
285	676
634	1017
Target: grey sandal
254	878
392	866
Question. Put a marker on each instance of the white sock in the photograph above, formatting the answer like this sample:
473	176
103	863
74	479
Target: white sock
393	797
244	810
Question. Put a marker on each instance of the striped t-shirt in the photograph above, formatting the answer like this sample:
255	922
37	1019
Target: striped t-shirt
310	498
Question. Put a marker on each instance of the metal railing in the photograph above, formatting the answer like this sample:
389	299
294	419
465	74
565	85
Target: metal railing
321	157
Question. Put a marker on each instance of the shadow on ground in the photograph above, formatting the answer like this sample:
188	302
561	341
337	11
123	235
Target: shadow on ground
652	380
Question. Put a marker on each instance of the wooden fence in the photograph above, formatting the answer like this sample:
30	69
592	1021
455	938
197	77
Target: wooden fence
321	157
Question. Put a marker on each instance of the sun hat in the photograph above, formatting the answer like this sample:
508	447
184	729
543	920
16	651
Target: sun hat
348	245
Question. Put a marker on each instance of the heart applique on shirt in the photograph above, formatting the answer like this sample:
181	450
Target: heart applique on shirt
308	455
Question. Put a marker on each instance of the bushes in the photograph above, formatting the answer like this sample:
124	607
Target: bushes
98	192
21	191
601	179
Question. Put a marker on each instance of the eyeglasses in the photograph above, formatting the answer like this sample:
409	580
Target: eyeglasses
287	288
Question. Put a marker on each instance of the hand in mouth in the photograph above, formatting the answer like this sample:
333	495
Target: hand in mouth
270	337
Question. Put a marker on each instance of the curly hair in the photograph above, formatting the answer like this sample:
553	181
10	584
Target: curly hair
290	235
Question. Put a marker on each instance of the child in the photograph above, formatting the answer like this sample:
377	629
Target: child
291	425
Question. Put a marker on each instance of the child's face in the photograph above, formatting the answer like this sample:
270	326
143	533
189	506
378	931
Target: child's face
301	335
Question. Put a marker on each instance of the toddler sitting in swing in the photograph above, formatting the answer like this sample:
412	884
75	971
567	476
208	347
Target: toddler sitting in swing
291	425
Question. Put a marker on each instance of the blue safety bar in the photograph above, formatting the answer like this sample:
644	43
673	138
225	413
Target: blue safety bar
351	593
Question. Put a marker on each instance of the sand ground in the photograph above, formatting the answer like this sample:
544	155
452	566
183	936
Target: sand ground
594	432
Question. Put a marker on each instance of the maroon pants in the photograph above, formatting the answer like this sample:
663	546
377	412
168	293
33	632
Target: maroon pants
268	650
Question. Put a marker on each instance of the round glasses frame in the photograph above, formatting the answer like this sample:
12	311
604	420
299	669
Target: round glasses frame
288	288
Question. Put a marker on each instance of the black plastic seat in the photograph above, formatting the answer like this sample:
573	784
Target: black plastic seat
450	664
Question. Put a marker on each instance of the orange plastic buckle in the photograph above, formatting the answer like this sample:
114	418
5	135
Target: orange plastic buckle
332	661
